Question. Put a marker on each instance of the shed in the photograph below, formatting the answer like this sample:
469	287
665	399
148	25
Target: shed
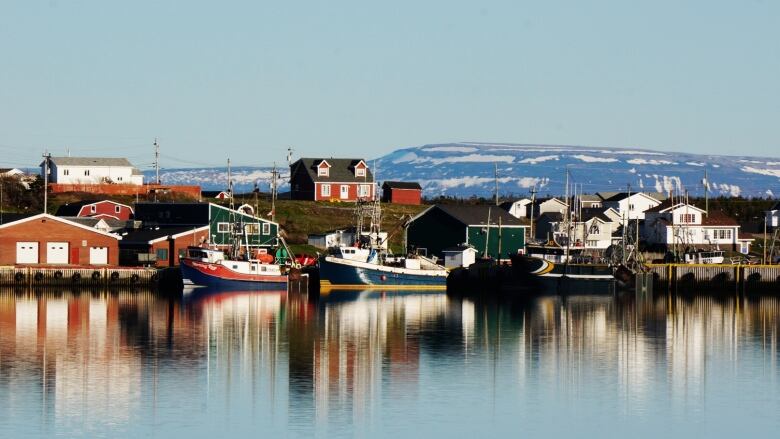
486	228
460	256
51	240
401	192
160	247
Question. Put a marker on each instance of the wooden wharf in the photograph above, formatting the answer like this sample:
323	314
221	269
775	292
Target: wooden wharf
701	278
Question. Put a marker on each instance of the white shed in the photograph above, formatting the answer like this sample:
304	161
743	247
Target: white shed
460	256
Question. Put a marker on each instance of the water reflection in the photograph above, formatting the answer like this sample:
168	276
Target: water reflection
130	363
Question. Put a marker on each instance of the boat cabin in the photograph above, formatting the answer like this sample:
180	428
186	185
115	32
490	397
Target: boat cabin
704	257
205	254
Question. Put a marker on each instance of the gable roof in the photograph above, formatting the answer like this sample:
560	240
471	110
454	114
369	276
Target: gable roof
590	198
61	220
157	234
341	170
776	206
667	205
477	215
401	185
619	196
90	161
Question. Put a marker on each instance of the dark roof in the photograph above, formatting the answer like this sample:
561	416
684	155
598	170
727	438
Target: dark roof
143	236
594	212
11	217
478	214
71	209
552	216
623	195
664	205
173	214
776	206
717	218
90	161
340	170
402	185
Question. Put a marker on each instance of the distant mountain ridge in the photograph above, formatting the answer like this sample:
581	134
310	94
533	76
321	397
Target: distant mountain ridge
469	168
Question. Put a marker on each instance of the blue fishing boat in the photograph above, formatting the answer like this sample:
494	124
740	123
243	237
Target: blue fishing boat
361	268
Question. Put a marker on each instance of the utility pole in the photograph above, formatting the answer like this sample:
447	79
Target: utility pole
274	175
763	261
46	158
706	193
156	161
533	201
495	176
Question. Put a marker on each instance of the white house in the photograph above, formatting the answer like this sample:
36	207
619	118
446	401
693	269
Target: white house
92	170
631	206
550	205
593	231
688	226
11	172
518	209
773	216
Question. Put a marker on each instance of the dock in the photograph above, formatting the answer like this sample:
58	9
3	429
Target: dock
80	276
703	277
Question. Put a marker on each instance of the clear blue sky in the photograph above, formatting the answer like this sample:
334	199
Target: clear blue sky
248	79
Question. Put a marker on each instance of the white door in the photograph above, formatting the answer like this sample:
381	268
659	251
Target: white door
56	252
344	192
26	252
98	255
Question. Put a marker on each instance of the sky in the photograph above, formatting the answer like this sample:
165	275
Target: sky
247	80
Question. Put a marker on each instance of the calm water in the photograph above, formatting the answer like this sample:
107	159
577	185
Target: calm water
360	364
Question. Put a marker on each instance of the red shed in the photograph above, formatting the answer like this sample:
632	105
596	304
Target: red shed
97	209
160	247
401	192
47	239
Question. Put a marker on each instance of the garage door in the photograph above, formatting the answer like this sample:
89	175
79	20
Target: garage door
98	255
26	252
56	252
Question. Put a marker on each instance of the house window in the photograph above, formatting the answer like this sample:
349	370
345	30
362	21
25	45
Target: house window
594	229
323	171
364	190
66	172
687	218
223	227
86	173
119	179
591	243
117	209
723	234
630	207
162	254
325	191
92	209
360	172
266	228
252	229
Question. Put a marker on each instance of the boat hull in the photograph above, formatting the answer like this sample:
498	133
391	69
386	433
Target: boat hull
336	273
218	276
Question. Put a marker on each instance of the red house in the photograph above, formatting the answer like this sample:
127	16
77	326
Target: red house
401	192
50	240
97	209
331	180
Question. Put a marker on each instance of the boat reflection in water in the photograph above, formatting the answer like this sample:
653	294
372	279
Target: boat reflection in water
384	363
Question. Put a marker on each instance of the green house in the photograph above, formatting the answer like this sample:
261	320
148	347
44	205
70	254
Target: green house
443	226
256	232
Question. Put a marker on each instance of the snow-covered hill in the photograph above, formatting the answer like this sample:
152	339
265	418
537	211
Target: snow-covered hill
468	168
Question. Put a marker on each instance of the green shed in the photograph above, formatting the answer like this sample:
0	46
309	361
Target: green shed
258	232
443	226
